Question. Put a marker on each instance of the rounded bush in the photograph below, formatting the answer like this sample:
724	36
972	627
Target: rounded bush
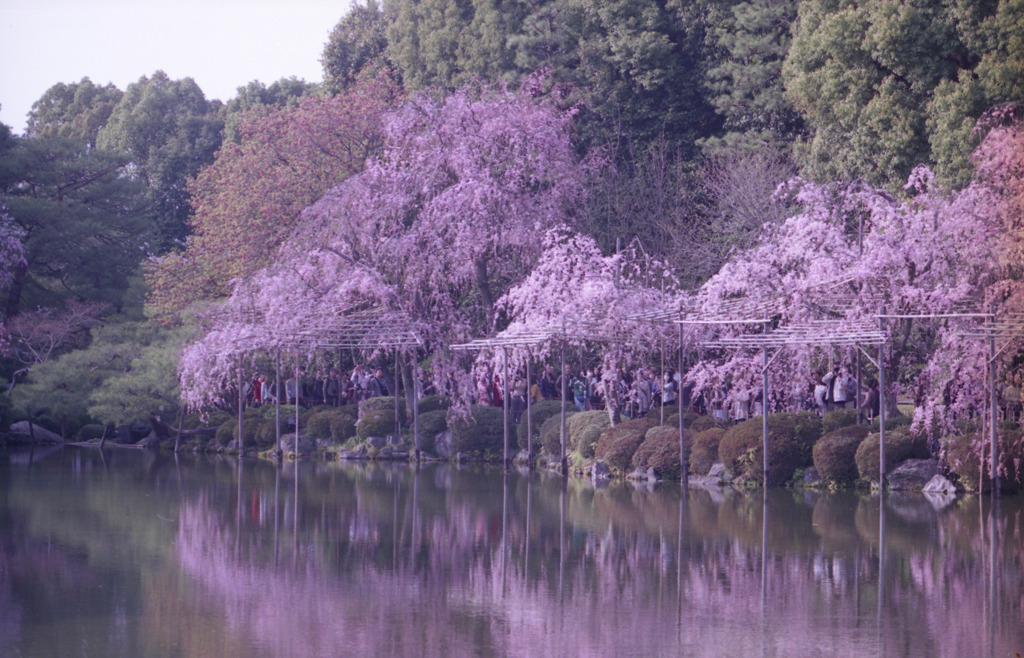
835	453
660	451
551	432
900	444
266	436
430	403
384	403
481	433
376	422
583	430
251	427
343	428
696	424
618	444
539	412
837	418
431	424
704	449
891	422
318	426
790	439
226	431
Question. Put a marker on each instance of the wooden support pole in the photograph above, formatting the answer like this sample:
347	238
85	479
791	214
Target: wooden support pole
994	434
529	414
398	423
277	403
564	461
684	466
415	409
241	410
298	396
881	408
764	408
505	402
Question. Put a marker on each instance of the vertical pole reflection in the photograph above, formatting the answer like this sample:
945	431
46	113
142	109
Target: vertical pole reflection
504	525
526	558
683	499
414	542
561	538
295	510
764	565
238	510
881	569
993	582
277	511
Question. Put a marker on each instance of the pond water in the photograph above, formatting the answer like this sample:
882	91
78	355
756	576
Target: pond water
142	554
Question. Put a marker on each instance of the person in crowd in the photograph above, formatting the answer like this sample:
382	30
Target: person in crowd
426	384
359	378
267	390
256	391
668	394
377	386
518	398
332	388
870	403
579	390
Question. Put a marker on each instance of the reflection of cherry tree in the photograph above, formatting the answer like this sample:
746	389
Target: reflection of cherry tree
374	572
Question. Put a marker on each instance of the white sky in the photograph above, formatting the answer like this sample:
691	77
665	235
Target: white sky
221	44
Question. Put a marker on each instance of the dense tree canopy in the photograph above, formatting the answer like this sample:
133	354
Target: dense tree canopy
85	222
439	225
247	202
78	110
169	131
880	83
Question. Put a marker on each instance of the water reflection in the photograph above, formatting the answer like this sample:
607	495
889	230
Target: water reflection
154	554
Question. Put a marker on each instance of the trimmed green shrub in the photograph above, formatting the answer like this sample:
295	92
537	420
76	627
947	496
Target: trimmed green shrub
963	454
90	432
891	422
790	439
837	418
660	451
343	428
900	444
551	432
266	437
583	430
432	423
430	403
318	425
376	422
618	444
384	403
696	424
539	412
704	451
835	453
251	426
482	433
319	409
226	431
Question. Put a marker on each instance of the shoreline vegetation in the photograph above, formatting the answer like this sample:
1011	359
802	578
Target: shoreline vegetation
806	450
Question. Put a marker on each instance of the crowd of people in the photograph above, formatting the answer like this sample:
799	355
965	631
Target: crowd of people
634	393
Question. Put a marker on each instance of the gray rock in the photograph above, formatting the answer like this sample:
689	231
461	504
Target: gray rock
600	471
638	475
912	475
717	470
652	475
443	445
306	445
522	458
19	434
150	442
376	441
811	475
939	485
